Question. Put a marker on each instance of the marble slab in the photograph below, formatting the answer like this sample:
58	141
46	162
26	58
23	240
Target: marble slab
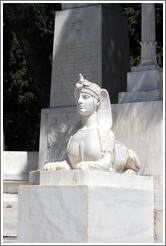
17	163
140	127
94	178
85	214
145	80
139	96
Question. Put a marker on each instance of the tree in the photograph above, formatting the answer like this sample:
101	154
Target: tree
27	71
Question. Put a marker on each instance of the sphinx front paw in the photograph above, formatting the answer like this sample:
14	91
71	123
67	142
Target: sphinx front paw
86	165
52	166
130	172
89	165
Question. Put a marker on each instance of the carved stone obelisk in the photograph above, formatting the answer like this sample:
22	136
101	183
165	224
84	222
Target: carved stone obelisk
148	35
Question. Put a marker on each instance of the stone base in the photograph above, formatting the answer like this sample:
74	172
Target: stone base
143	85
139	96
145	80
87	212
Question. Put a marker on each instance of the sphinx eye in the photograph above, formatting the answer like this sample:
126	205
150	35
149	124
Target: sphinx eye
86	96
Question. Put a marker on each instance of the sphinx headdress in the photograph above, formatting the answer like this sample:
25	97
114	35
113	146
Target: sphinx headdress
104	111
84	85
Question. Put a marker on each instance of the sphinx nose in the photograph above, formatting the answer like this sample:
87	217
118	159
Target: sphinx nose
80	100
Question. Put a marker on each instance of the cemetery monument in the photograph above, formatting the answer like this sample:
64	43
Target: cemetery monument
110	191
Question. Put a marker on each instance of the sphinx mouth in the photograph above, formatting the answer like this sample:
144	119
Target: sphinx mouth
80	106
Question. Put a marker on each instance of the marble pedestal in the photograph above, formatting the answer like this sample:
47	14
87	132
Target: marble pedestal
144	83
87	207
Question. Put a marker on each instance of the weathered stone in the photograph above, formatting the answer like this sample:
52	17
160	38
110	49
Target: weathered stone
87	213
91	46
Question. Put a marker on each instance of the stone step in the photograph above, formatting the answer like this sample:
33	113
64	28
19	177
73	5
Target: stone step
10	240
146	68
144	80
139	96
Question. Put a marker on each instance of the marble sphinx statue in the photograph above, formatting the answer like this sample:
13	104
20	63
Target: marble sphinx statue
93	146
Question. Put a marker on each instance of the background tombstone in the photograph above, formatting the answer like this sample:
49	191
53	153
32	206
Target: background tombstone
87	41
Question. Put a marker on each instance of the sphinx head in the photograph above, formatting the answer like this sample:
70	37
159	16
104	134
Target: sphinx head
87	95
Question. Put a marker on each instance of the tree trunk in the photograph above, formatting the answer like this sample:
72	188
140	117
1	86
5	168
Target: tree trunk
33	47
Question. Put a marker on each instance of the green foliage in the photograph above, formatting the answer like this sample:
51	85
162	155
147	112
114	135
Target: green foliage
21	106
159	33
44	18
133	13
18	97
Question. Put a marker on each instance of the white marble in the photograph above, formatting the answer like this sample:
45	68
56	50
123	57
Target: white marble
139	96
144	118
97	178
140	127
87	213
16	166
144	83
145	80
92	145
10	213
53	144
11	185
19	162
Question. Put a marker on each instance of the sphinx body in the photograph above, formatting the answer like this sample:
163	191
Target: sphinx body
93	146
87	153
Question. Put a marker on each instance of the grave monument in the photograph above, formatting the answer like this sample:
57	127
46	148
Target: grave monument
93	205
77	203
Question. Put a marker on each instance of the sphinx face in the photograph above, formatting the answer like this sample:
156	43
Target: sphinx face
86	104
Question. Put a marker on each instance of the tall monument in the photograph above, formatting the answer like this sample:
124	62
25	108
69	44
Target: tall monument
148	35
91	39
